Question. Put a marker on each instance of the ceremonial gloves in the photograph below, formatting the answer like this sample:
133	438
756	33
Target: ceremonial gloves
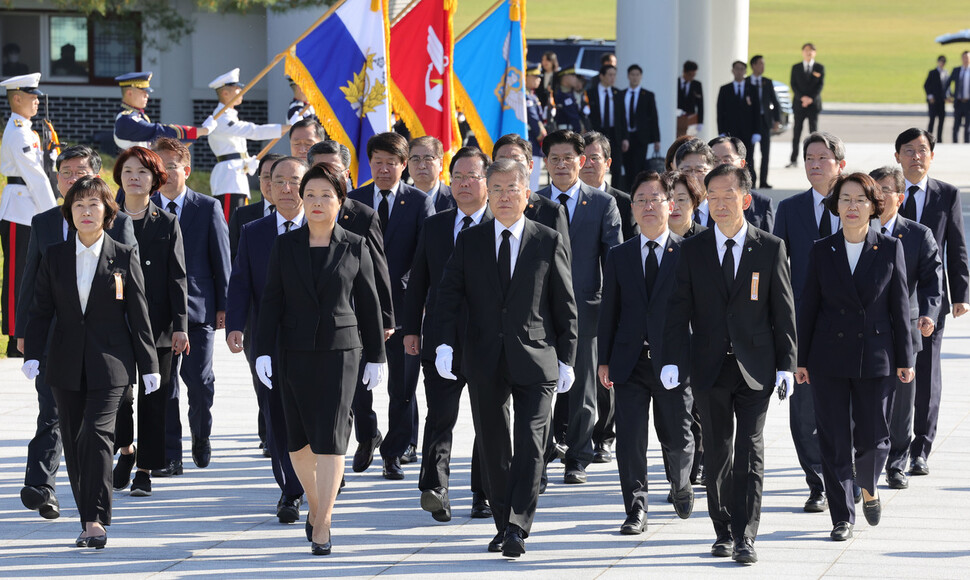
153	381
264	370
566	377
31	369
210	124
296	118
785	383
374	374
443	361
670	376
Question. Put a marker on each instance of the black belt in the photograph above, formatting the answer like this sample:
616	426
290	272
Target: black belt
229	157
646	351
14	180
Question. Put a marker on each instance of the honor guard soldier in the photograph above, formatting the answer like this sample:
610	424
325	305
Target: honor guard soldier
28	190
298	103
571	107
132	125
537	131
229	182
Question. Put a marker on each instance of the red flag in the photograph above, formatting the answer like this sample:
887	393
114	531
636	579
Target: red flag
422	49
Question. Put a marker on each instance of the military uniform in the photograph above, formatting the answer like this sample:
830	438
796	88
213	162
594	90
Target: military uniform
296	106
133	127
28	192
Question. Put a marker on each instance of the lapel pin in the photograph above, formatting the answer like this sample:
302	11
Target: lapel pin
584	202
900	236
749	248
531	206
402	202
346	217
670	249
875	247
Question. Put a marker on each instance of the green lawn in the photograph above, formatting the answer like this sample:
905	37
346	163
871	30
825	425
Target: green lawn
874	51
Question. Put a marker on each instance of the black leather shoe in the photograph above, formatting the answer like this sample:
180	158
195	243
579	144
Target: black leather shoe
856	494
635	523
141	486
792	165
267	453
543	482
410	455
81	542
575	473
841	532
766	186
480	507
121	474
670	496
873	511
288	508
602	453
42	499
513	545
700	478
744	552
201	452
896	479
98	542
684	502
919	467
321	549
496	544
723	546
392	468
173	467
816	503
436	502
364	455
561	449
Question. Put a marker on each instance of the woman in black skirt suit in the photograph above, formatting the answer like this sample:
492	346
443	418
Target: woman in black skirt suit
687	196
854	340
319	311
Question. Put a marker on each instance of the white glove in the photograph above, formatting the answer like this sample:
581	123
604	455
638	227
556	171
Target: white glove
566	378
251	164
756	138
210	124
53	155
670	376
152	382
296	118
31	369
681	112
700	127
443	356
264	370
374	374
784	382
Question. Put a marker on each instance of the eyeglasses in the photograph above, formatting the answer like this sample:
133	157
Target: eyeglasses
556	161
472	177
290	182
654	200
511	192
419	159
851	202
65	175
695	170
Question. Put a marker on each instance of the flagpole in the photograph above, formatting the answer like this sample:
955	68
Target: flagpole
270	145
277	59
404	12
479	20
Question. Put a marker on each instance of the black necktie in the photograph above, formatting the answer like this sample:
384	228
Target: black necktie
272	209
825	224
883	232
287	225
505	262
633	109
650	267
737	90
466	222
173	208
608	110
382	209
909	208
563	198
727	264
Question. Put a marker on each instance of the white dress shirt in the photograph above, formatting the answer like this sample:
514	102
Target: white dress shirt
658	251
738	244
433	194
572	192
808	66
266	207
853	251
515	240
703	210
476	219
820	210
280	221
390	198
86	262
179	203
890	225
920	195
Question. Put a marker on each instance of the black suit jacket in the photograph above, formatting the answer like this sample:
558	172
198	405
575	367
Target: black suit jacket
933	85
307	310
692	100
628	316
807	85
924	272
768	109
761	212
163	265
360	219
549	213
241	217
737	117
47	229
705	318
953	84
647	128
855	325
619	114
106	340
624	203
534	325
444	199
795	224
943	214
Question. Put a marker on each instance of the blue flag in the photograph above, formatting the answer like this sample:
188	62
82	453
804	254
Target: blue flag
490	74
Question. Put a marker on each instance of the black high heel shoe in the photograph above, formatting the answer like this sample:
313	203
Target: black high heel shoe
321	549
98	542
81	541
309	531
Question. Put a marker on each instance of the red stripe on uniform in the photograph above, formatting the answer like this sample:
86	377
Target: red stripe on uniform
12	272
225	204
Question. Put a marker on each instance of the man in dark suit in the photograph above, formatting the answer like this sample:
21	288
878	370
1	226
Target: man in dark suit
637	285
538	209
768	114
594	228
742	346
46	229
593	174
244	296
402	210
936	205
642	123
737	110
807	79
426	155
730	150
801	219
207	265
690	99
935	85
607	114
960	93
435	246
520	343
924	275
254	211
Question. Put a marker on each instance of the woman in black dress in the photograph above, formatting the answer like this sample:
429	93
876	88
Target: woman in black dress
687	196
319	312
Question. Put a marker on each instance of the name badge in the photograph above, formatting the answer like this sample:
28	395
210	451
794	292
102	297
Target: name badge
119	287
755	277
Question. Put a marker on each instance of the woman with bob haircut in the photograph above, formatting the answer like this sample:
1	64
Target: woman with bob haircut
687	195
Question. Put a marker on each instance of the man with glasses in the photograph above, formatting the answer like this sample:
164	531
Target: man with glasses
731	150
695	158
425	164
46	229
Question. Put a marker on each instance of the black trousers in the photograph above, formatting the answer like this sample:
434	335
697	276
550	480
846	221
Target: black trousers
260	420
44	450
581	404
512	461
13	239
230	202
151	416
87	419
801	114
402	383
929	386
961	117
734	458
635	158
200	384
852	414
671	416
937	111
765	145
901	425
604	430
801	421
362	408
444	403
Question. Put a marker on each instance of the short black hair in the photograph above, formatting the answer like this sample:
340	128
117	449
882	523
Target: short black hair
91	186
388	142
329	147
297	160
633	67
269	158
831	142
77	152
738	144
756	58
808	45
563	136
914	133
740	62
515	140
328	172
470	152
606	57
689	66
869	186
606	68
892	172
311	123
695	147
594	137
645	176
723	170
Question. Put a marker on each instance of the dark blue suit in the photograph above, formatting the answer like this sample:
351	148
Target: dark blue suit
207	266
245	294
760	213
854	331
443	200
411	207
